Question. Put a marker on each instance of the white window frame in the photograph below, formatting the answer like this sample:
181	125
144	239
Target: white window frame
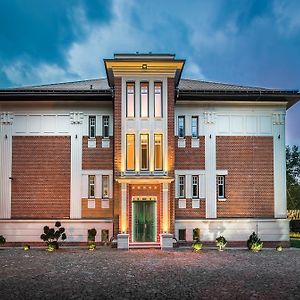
195	184
92	124
91	183
181	182
146	84
127	112
105	124
161	99
178	126
197	127
141	152
106	177
221	182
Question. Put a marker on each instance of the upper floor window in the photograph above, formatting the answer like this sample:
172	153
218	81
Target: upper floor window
130	90
91	186
157	99
105	126
158	152
144	99
105	182
181	186
194	127
144	152
181	126
92	126
130	152
195	186
221	186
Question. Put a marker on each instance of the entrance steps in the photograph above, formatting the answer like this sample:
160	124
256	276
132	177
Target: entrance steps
145	245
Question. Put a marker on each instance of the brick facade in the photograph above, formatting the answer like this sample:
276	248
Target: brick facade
97	158
189	212
249	183
41	177
98	212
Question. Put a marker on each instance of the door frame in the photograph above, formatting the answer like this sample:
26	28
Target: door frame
132	219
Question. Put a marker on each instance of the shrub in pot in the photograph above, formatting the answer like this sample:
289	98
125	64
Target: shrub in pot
51	236
221	242
254	243
91	239
2	240
197	245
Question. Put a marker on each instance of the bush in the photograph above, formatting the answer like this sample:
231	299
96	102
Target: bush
2	240
254	243
92	234
197	245
92	246
51	236
221	242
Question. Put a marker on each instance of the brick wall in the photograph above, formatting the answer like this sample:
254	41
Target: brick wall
188	157
98	212
41	177
189	212
249	183
97	158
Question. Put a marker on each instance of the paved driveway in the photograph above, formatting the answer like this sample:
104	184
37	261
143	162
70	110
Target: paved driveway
147	274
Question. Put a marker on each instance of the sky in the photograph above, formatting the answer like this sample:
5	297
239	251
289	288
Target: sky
248	42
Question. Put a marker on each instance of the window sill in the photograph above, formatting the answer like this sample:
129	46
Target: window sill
222	199
144	118
130	118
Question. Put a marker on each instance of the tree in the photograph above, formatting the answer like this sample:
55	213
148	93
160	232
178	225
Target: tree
293	177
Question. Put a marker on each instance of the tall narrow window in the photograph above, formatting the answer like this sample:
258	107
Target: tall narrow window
181	186
221	187
144	99
130	99
92	126
105	126
195	186
158	152
158	99
105	183
181	129
144	152
194	127
91	186
130	155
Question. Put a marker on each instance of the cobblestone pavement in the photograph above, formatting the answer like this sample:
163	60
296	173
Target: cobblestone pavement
74	273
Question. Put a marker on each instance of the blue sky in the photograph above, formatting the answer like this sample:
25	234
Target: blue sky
237	41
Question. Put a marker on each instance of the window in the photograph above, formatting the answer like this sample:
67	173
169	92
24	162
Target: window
144	99
194	127
158	99
221	187
105	127
144	152
181	186
130	99
181	234
92	126
91	186
105	182
181	129
195	186
158	152
130	155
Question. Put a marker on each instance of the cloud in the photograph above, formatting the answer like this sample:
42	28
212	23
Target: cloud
193	70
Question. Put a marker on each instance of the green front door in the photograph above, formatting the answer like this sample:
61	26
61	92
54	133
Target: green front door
143	221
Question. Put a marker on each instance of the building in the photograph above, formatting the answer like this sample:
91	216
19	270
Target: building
144	155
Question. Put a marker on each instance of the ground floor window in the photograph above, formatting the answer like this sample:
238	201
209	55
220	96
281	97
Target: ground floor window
182	234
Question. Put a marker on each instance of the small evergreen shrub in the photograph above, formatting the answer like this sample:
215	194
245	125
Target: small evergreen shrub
197	245
221	242
2	240
254	243
51	236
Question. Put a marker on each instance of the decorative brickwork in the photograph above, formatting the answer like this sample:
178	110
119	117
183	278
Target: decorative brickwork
189	212
189	158
97	158
41	177
98	212
249	183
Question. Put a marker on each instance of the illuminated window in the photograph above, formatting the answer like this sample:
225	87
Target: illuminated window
144	99
105	181
221	186
158	152
194	127
130	142
91	186
195	186
92	127
181	183
181	129
144	152
158	99
130	99
105	127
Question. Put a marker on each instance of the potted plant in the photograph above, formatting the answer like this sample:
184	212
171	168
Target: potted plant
254	243
221	242
51	236
279	248
2	240
197	245
26	247
91	239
